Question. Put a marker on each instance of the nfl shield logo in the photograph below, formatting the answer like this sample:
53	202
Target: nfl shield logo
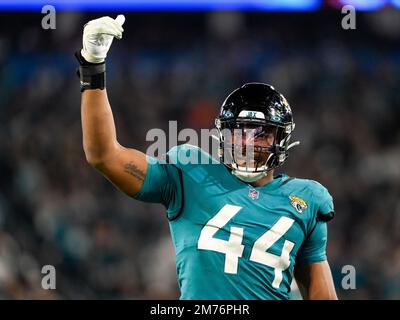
253	193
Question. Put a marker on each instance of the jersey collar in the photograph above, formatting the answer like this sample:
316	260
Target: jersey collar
274	184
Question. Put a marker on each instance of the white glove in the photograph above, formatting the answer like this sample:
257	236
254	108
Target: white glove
98	35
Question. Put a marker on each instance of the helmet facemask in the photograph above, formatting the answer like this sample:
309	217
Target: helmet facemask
251	148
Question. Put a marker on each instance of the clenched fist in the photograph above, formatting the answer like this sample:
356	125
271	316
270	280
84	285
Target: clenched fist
98	35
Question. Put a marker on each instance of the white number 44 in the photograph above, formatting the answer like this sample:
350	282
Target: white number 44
233	248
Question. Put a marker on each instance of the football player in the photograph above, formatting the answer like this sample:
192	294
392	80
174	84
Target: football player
239	232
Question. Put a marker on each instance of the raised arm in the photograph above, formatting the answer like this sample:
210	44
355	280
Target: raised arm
124	167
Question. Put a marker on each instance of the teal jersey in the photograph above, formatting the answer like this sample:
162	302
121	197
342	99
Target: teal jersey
233	240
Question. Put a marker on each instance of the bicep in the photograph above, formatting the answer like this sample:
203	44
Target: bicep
145	178
315	281
314	247
126	168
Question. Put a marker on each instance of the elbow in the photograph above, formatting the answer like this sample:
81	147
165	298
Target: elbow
94	161
98	158
94	158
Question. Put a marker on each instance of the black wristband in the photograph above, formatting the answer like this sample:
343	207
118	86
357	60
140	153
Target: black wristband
92	75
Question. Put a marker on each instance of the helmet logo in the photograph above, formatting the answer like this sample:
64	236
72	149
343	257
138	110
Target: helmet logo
228	114
276	118
275	115
298	203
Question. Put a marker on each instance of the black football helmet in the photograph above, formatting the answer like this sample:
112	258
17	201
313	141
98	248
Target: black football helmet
261	110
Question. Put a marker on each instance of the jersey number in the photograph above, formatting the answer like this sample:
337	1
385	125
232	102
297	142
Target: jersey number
233	248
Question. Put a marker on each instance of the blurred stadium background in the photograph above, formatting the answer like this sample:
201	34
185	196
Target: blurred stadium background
179	65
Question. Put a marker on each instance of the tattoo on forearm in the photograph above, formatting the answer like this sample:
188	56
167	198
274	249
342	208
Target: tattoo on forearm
134	171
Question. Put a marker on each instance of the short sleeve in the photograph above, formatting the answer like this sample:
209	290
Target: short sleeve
162	184
326	202
314	247
326	210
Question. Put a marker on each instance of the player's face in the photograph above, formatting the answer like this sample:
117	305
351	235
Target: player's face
252	144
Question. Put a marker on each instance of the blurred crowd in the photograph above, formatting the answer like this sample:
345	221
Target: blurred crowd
343	86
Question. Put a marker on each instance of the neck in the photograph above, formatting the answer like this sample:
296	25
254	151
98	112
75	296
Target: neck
263	181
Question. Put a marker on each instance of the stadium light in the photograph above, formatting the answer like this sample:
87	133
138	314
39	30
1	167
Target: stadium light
149	5
364	5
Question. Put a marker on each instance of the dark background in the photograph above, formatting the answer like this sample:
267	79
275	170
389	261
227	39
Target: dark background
343	86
